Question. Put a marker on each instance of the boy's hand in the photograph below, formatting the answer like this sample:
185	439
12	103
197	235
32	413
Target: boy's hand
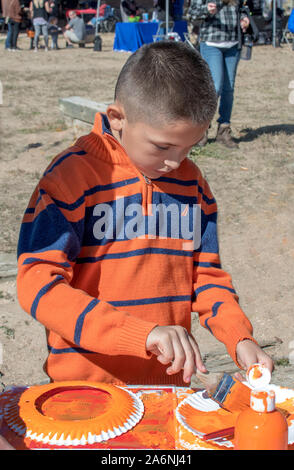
249	353
174	344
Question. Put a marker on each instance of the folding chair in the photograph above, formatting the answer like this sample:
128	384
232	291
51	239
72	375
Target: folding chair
164	30
188	40
287	37
192	36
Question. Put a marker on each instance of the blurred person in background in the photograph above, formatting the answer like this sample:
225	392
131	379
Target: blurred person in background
75	30
53	31
40	9
128	8
220	48
54	4
53	28
12	13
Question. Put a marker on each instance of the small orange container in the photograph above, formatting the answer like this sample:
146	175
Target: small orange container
30	33
262	426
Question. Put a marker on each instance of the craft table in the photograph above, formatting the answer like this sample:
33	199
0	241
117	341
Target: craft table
159	428
131	36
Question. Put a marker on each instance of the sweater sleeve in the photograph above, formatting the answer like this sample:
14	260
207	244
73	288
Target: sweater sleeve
49	242
198	9
214	297
15	11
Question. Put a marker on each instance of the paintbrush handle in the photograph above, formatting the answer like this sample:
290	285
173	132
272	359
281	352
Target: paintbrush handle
210	380
227	432
200	374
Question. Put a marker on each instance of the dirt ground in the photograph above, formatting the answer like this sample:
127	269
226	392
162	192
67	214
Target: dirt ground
254	185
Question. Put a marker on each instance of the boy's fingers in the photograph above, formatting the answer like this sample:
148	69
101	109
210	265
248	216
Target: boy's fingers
179	358
166	354
199	364
196	363
186	356
158	343
163	359
267	361
249	353
173	344
239	377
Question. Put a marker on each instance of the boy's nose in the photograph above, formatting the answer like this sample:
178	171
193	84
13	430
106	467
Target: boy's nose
173	165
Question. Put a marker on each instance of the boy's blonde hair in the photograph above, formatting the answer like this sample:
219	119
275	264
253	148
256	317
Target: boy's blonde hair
166	81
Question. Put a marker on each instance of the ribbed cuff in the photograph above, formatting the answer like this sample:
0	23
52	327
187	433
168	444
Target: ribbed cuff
133	335
235	338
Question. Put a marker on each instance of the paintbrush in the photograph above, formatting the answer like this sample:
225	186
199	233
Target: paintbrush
230	393
226	433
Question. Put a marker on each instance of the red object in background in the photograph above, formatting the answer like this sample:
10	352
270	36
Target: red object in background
89	11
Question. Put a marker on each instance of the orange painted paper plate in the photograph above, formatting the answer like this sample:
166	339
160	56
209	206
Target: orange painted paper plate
200	415
73	413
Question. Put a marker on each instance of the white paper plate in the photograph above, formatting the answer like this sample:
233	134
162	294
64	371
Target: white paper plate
199	402
11	414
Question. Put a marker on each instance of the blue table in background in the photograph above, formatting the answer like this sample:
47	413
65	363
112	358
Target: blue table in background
131	36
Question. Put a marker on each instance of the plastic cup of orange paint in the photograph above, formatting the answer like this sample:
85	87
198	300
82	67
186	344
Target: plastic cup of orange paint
258	376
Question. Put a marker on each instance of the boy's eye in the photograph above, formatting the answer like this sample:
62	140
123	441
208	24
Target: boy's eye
160	147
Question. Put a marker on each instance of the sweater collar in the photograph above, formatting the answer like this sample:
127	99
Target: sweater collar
101	142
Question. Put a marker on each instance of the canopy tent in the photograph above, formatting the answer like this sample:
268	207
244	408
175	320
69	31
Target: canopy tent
167	12
274	23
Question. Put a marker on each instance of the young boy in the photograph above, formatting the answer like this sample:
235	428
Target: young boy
102	261
53	31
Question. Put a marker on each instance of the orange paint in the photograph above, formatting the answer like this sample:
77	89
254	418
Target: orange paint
238	398
262	426
208	422
75	404
71	410
288	405
158	429
256	374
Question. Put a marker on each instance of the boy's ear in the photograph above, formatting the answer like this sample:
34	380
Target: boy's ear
116	116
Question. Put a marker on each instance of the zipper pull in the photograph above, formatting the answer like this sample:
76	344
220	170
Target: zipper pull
147	180
147	198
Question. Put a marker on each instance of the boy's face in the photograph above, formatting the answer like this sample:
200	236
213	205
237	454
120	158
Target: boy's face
156	151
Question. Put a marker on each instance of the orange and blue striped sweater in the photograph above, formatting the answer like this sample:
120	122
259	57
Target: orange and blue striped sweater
98	292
